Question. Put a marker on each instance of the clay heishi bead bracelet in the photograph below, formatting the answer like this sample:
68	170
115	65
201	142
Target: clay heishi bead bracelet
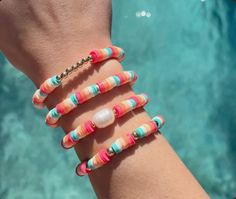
104	118
87	93
94	56
105	155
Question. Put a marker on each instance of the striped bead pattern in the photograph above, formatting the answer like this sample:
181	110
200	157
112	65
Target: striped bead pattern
44	90
87	93
104	155
52	83
130	104
88	127
107	53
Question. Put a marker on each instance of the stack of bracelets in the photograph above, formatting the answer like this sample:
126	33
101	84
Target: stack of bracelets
102	118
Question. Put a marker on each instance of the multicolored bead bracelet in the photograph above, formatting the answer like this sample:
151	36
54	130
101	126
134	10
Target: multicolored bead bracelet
103	118
94	56
87	93
105	154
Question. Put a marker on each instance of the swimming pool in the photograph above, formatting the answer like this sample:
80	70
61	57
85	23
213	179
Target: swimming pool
191	46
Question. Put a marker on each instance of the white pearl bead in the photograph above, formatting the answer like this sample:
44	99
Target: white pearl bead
103	118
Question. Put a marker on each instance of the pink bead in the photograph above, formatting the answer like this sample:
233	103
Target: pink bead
81	169
136	99
60	108
42	89
101	87
94	56
67	142
79	97
103	154
135	77
89	127
153	126
114	51
131	139
118	111
122	78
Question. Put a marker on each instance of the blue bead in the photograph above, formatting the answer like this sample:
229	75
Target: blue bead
116	148
158	121
74	99
133	103
90	164
131	74
42	94
140	132
109	51
74	136
117	80
54	113
55	81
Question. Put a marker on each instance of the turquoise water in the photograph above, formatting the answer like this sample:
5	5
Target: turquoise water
184	53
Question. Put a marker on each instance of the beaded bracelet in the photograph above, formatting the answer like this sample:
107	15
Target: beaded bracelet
103	118
52	83
105	154
87	93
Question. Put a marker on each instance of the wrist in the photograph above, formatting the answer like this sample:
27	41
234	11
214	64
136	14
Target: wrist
45	59
84	112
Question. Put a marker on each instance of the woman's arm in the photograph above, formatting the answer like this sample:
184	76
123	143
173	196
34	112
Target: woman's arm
41	39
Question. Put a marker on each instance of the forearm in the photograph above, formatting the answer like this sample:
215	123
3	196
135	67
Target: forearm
150	170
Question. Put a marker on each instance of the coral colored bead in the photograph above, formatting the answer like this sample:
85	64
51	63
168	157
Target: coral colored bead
82	169
67	141
159	121
94	56
89	126
131	139
104	155
101	87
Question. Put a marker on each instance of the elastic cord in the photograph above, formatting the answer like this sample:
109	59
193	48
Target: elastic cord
105	155
103	118
87	93
95	56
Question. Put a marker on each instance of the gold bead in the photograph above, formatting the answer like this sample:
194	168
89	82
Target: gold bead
89	58
65	74
134	133
79	64
58	78
61	75
110	151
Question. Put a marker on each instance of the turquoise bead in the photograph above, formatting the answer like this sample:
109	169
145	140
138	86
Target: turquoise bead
42	94
108	51
55	81
158	121
140	132
94	89
117	80
116	148
74	99
74	136
131	74
90	164
54	113
133	103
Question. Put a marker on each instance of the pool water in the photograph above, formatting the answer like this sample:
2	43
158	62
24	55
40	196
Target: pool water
185	55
